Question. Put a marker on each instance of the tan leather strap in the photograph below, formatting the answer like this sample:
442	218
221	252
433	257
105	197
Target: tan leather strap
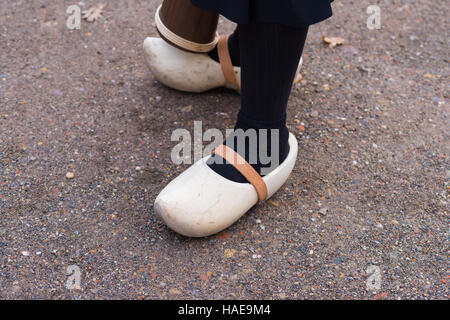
244	168
226	64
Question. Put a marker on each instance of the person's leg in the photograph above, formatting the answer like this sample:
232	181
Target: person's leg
269	56
233	48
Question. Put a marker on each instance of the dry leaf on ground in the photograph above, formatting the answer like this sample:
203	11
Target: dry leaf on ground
298	78
333	41
94	13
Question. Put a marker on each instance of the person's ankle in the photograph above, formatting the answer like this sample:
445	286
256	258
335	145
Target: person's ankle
264	149
233	49
274	142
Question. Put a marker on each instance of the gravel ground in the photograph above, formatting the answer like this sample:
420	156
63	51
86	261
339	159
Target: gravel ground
367	197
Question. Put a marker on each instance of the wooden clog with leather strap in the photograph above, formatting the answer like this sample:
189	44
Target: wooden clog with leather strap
192	72
200	202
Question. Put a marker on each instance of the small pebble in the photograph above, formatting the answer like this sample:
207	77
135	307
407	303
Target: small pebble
175	291
57	93
70	175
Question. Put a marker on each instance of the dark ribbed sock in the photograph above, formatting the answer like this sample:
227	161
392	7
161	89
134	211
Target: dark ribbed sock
233	48
269	55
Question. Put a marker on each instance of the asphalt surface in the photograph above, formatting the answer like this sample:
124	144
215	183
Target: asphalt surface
368	195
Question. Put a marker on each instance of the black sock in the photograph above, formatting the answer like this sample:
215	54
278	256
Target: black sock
233	48
269	55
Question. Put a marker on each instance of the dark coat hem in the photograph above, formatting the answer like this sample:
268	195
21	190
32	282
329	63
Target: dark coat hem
293	13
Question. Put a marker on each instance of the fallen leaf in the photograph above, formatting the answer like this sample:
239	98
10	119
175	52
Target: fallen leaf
274	203
94	13
333	41
187	109
298	78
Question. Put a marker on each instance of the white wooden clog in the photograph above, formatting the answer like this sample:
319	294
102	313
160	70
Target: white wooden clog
192	72
200	202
